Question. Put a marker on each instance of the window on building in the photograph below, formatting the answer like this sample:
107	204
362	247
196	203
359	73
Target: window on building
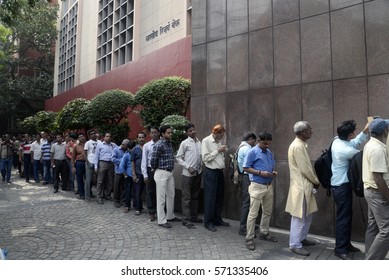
115	34
67	48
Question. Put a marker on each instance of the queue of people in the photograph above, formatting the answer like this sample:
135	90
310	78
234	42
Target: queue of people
124	172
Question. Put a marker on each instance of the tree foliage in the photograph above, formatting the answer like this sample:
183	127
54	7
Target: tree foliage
178	124
26	56
109	111
163	97
73	115
41	121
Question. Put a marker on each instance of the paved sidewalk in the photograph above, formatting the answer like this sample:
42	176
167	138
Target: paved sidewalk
37	224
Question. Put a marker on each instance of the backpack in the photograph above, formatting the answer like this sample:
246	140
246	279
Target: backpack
354	174
235	175
323	169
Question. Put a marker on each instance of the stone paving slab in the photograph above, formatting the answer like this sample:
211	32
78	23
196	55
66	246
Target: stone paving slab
37	224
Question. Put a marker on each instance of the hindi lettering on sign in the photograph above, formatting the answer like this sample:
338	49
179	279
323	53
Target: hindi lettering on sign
164	29
175	23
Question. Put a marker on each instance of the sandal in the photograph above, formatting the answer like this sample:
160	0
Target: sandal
250	244
267	237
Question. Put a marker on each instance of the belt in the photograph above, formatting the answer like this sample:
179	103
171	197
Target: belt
372	189
265	184
168	170
107	161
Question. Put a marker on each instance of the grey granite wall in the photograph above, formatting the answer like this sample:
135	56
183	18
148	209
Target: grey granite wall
265	64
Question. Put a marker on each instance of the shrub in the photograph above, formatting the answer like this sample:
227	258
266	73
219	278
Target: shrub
163	97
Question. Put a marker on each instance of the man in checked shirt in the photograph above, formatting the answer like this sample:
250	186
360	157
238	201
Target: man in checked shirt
162	161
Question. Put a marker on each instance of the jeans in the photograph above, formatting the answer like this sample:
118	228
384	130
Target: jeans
213	196
244	212
47	171
37	166
343	196
71	175
128	190
80	174
6	167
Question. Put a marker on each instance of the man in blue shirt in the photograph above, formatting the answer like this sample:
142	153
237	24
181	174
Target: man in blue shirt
344	147
249	140
118	183
259	163
104	168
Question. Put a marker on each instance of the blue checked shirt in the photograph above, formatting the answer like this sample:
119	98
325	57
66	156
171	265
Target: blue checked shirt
162	156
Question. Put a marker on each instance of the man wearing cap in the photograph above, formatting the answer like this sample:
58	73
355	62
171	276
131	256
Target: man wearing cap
104	168
343	148
119	196
375	176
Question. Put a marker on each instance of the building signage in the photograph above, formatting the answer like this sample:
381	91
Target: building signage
163	29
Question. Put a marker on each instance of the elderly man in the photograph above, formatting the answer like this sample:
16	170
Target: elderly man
212	153
375	176
301	202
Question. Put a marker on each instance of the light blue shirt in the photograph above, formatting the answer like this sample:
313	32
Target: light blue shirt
259	159
117	156
103	152
244	147
342	152
125	165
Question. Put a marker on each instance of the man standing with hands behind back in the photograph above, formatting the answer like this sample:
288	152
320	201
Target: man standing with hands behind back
212	153
301	203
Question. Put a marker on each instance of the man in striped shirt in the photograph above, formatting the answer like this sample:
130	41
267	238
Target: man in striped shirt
46	161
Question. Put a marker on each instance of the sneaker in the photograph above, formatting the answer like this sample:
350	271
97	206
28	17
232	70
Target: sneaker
137	213
307	242
300	251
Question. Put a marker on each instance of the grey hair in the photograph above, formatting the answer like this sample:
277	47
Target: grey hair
300	126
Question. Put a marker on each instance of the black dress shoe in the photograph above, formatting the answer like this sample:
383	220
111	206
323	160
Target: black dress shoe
307	242
210	228
165	225
224	224
343	256
353	249
55	190
175	219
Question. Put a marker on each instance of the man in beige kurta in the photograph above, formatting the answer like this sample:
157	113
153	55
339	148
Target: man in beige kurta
301	202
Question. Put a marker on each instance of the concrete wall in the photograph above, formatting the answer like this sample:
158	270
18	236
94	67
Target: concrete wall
265	64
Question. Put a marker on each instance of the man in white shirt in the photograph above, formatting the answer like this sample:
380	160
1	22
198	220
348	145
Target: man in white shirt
36	154
148	173
189	156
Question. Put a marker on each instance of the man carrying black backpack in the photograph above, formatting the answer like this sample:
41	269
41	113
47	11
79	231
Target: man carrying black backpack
344	147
